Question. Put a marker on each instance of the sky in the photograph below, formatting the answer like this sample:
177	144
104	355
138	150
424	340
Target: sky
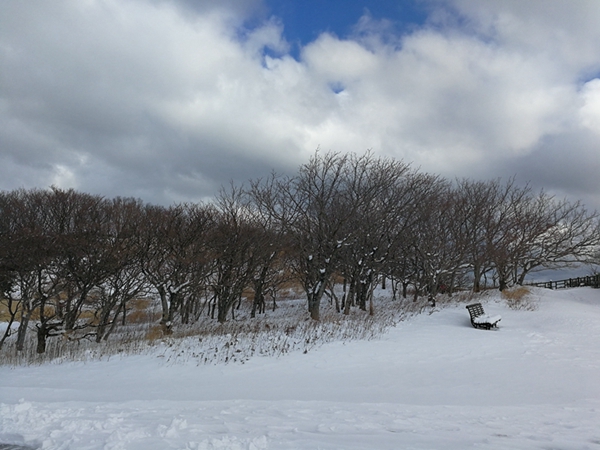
168	100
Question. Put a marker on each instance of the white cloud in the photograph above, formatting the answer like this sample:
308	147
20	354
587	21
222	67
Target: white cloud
167	100
590	111
334	60
565	31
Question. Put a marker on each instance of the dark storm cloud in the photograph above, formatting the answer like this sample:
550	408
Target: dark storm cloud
566	165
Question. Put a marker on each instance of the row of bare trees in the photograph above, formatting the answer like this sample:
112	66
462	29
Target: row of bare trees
368	219
71	262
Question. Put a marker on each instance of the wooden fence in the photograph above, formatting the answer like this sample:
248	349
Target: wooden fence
592	280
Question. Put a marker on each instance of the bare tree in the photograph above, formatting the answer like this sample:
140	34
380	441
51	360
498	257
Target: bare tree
35	256
8	273
172	245
478	205
550	234
274	251
81	226
125	280
377	191
236	249
415	203
313	212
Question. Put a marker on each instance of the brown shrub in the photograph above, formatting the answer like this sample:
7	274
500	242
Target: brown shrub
48	311
4	314
90	316
518	298
141	311
155	332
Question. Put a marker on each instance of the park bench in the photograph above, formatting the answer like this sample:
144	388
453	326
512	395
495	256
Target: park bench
479	319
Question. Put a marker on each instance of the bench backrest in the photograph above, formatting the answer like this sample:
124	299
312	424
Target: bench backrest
475	310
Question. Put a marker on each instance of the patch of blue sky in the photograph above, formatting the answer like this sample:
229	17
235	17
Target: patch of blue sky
305	20
336	87
593	73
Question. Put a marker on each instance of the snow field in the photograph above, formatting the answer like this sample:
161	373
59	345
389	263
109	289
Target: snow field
431	382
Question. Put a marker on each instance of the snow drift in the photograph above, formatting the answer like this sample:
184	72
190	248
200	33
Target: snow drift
432	381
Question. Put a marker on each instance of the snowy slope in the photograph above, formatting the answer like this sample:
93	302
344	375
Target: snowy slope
433	382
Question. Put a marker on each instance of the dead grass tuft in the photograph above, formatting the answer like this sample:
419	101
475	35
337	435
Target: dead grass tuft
48	311
88	316
141	312
140	303
467	296
138	316
518	298
154	333
5	314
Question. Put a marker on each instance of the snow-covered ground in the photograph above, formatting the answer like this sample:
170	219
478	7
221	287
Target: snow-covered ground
432	382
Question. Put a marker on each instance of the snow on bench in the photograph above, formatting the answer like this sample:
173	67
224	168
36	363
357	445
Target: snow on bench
479	319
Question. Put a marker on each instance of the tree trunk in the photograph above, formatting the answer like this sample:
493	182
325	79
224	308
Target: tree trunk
42	335
173	306
394	289
164	304
502	284
361	295
416	296
11	320
22	331
259	300
222	311
122	307
105	319
502	278
315	294
72	314
350	297
476	278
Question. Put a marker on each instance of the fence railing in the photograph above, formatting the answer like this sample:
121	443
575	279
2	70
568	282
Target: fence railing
592	280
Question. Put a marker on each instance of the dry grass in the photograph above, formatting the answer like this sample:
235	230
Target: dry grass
140	303
35	315
290	293
518	298
141	312
465	296
290	289
470	296
209	342
4	313
206	341
248	295
89	317
154	333
138	316
48	312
